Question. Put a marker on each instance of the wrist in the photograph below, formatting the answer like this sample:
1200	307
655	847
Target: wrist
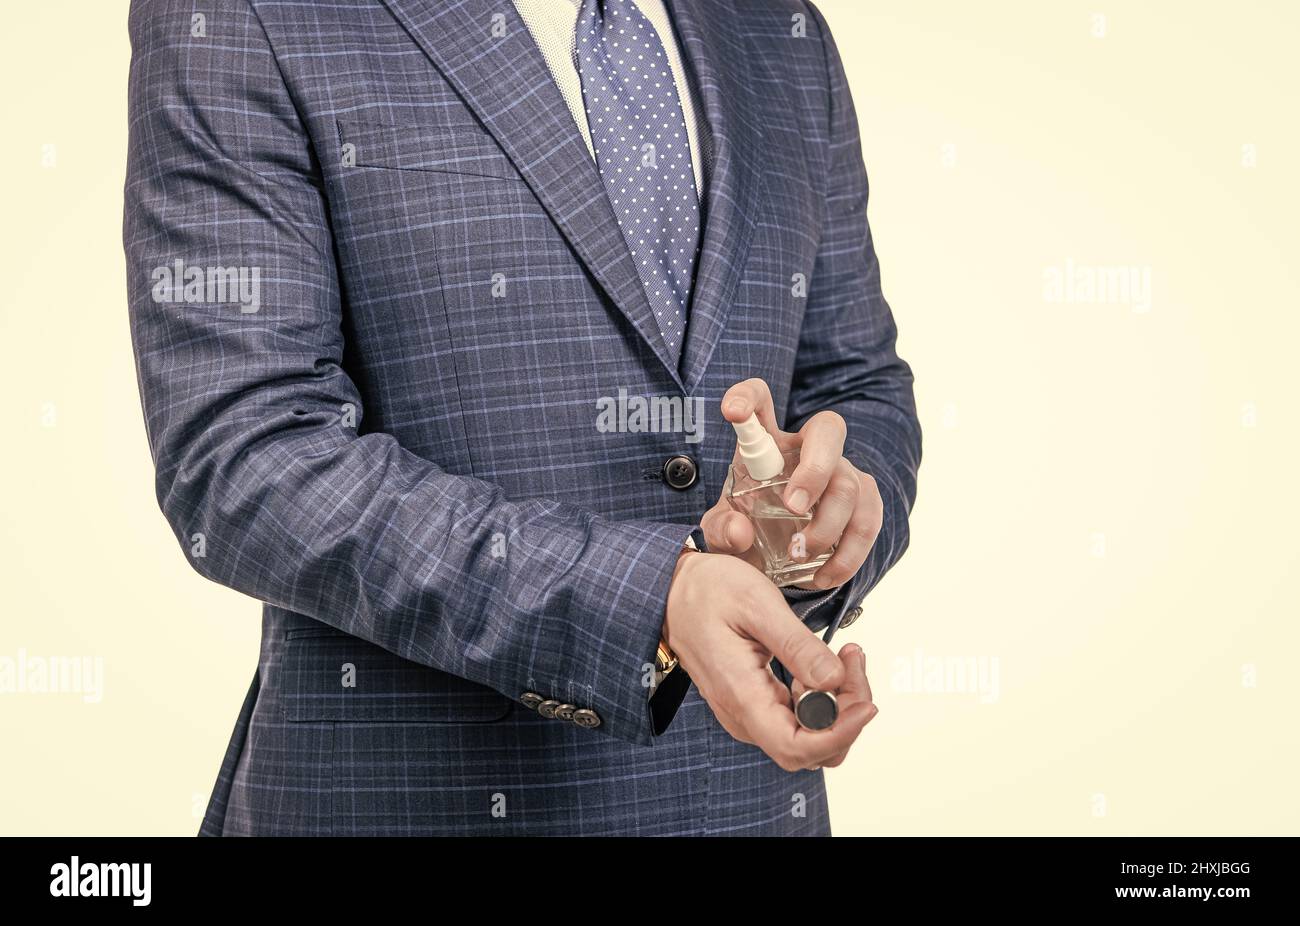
675	588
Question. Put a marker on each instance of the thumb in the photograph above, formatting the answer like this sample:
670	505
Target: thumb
800	650
726	530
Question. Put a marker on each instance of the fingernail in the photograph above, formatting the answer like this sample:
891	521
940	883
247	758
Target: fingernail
797	501
823	671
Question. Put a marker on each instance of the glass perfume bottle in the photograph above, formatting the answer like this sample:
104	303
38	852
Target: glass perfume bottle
755	488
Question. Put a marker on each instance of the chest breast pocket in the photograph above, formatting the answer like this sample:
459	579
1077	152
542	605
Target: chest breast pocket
451	143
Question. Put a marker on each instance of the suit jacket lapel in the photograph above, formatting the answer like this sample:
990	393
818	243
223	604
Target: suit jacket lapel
504	79
715	48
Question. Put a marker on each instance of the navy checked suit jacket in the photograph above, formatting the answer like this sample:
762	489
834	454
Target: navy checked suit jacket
394	445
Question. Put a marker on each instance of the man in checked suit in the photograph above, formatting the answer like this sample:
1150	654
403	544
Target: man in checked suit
386	260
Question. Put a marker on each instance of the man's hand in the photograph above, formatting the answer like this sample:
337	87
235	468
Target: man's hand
725	621
849	507
855	691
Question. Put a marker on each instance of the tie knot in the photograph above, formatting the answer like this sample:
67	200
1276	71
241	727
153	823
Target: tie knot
601	10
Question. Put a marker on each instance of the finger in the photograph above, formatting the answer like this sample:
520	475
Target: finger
726	530
816	748
820	451
856	539
838	760
856	688
773	624
835	511
798	688
866	682
861	715
753	397
759	707
735	699
855	691
771	725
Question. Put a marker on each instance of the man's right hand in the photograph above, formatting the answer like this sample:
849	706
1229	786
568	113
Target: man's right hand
725	622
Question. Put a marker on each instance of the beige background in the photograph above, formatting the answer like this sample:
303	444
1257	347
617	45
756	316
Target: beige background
1107	521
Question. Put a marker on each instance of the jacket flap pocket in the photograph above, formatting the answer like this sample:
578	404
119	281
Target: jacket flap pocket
331	676
454	148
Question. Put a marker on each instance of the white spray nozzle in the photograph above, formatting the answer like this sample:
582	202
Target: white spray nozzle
758	449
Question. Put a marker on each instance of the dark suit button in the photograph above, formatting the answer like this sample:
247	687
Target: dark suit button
547	708
585	718
680	472
530	700
852	616
565	711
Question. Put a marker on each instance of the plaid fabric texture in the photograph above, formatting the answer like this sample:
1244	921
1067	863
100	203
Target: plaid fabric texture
372	403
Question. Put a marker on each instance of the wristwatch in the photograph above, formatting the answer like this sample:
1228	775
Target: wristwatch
665	661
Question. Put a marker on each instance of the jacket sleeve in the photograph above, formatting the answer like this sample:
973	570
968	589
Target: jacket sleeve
252	419
846	361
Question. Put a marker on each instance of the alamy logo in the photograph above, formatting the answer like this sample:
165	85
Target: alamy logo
76	878
656	414
932	674
1085	284
179	283
28	674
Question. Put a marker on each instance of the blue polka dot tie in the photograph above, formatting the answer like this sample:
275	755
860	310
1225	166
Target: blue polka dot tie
639	136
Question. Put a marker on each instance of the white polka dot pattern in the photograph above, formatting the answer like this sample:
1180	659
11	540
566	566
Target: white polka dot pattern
642	151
